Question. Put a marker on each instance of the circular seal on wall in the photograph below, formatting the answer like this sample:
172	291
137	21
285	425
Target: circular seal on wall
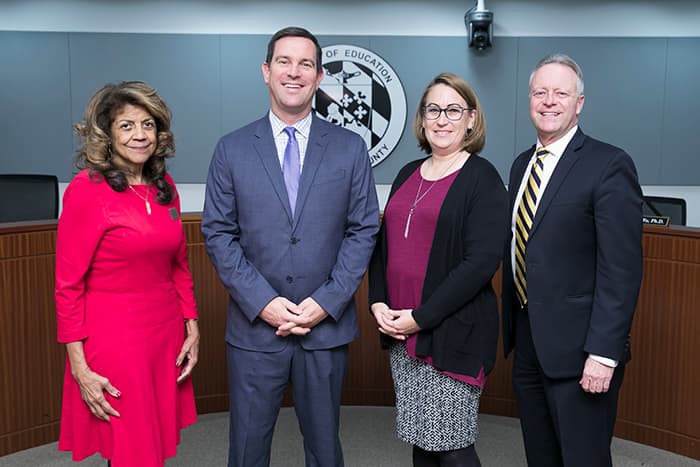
362	93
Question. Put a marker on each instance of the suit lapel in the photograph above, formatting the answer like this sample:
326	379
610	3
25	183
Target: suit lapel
264	144
567	161
315	151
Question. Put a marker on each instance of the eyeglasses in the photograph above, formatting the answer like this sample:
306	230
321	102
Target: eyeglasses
452	112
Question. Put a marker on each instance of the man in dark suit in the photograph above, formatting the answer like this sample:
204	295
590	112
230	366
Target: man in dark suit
571	276
290	220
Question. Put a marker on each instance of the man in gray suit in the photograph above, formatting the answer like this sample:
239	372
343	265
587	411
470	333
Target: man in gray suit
290	219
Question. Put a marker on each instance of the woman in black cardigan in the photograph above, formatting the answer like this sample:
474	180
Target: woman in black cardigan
442	239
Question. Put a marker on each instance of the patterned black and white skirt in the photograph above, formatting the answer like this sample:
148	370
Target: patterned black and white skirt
433	411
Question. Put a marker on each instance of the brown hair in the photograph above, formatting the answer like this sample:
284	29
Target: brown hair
293	31
475	139
95	132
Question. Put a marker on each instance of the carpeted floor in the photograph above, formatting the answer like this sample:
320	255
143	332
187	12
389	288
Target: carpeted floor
368	440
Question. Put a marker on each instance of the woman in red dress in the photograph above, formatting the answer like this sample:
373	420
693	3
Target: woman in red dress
124	294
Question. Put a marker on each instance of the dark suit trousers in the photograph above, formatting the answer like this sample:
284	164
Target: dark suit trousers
561	424
257	381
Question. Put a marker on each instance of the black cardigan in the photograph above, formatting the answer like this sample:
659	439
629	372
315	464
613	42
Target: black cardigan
458	315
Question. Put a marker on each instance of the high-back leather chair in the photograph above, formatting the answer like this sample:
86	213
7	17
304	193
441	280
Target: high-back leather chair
673	208
25	197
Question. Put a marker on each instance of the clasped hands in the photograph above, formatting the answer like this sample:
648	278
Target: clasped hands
398	324
290	318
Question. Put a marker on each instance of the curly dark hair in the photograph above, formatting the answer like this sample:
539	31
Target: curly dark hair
95	132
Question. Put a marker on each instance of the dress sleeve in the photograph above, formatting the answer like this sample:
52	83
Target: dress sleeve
82	224
181	276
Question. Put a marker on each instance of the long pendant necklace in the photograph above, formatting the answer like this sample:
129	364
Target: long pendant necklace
145	200
415	203
420	196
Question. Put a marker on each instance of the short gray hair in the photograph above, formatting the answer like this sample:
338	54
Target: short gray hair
561	59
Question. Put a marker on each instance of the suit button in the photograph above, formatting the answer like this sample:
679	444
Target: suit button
290	279
294	240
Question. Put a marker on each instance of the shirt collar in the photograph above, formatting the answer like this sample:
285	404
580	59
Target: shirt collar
558	147
303	126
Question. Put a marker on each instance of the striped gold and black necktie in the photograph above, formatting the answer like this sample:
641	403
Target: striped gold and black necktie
523	221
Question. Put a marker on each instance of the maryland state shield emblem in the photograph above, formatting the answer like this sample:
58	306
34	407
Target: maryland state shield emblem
362	93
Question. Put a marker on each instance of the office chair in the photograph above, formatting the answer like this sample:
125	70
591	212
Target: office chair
673	208
25	197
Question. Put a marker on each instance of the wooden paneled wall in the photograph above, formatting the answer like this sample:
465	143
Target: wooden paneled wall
31	362
658	405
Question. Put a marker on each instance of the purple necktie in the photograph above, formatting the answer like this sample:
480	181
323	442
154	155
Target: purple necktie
290	167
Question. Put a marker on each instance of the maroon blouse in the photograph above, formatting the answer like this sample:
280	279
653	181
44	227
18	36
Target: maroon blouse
409	244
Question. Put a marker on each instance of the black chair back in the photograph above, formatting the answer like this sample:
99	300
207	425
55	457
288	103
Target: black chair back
27	197
673	208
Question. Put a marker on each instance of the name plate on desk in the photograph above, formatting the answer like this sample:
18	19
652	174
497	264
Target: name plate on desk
656	220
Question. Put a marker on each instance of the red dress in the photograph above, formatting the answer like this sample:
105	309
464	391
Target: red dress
123	287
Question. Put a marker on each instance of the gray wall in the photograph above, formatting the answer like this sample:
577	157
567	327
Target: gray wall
641	92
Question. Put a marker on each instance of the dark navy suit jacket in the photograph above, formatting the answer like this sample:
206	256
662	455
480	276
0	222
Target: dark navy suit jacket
583	258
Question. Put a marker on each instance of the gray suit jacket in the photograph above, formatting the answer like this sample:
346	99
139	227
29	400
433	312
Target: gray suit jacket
261	252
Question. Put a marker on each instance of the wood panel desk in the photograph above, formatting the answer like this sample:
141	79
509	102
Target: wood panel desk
658	405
